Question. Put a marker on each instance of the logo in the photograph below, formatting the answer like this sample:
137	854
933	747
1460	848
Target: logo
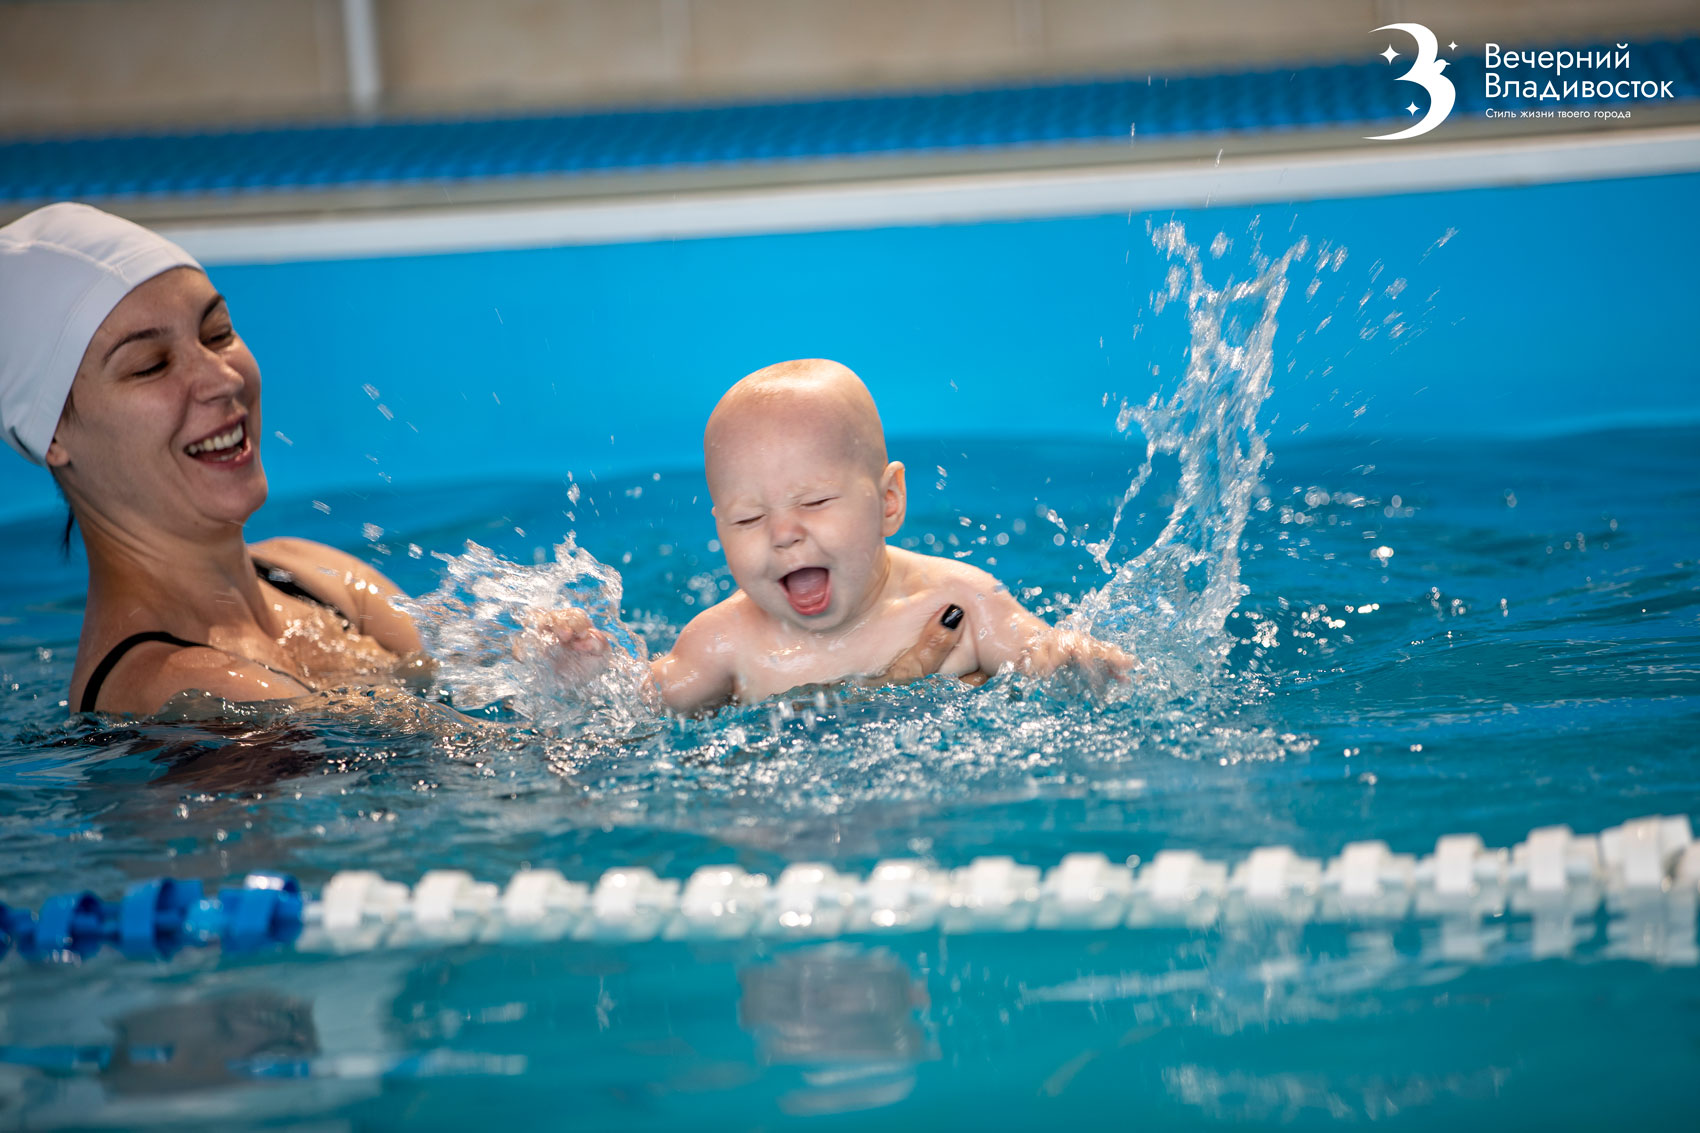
1426	73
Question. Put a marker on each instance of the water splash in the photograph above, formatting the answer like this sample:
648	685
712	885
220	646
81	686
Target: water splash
1170	601
793	769
477	624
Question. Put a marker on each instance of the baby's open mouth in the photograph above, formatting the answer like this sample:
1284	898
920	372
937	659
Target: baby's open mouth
809	590
222	447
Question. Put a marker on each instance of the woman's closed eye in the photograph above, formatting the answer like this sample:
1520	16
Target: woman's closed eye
157	366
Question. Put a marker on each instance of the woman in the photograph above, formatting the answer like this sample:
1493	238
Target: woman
121	372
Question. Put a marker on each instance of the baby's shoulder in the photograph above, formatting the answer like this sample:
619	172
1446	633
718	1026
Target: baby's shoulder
731	609
729	620
928	572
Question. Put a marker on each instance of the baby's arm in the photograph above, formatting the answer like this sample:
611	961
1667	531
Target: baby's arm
1006	633
696	673
691	676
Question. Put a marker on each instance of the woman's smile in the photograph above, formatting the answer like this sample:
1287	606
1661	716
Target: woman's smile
223	447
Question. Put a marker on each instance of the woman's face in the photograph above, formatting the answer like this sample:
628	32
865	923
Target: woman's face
163	424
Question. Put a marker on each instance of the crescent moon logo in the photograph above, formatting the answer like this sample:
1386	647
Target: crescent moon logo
1426	73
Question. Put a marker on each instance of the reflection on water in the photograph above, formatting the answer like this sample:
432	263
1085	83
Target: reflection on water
1252	1021
834	1002
1286	1098
197	1045
132	1045
850	1018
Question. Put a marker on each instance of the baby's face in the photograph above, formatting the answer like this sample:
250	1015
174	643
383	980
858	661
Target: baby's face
803	520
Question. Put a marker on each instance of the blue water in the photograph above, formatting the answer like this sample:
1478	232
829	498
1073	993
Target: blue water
1458	628
1523	665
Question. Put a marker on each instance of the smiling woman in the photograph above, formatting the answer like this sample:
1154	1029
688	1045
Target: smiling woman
165	364
124	375
122	372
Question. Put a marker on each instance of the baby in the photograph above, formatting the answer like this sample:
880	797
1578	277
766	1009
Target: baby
804	501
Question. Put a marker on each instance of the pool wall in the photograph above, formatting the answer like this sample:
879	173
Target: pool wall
1536	308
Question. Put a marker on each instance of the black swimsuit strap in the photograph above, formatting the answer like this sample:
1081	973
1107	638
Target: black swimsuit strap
279	578
91	691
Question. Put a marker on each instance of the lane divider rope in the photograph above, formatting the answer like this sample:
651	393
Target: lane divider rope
1648	868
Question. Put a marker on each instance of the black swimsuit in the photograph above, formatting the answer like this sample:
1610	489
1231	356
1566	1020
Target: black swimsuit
280	580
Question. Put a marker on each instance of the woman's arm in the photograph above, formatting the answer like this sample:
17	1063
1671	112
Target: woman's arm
358	589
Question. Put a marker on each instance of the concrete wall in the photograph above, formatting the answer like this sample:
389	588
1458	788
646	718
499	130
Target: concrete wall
93	63
97	63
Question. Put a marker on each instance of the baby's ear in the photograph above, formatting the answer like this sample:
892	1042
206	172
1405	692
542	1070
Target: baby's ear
56	456
894	492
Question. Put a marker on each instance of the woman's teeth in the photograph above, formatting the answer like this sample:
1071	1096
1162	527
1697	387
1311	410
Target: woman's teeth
225	440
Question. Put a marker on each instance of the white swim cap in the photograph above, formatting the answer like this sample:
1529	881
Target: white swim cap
62	270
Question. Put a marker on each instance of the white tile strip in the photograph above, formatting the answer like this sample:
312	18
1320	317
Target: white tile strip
1367	170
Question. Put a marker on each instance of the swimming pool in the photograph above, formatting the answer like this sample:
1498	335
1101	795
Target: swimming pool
1471	605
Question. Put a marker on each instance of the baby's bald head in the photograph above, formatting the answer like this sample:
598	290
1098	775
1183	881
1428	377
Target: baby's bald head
812	395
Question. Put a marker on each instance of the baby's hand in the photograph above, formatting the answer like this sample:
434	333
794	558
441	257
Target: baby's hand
1064	648
566	639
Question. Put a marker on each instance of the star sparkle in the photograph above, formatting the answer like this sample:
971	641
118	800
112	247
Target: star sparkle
1412	108
1390	54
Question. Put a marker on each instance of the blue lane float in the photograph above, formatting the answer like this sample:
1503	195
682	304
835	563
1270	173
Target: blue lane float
71	922
267	909
153	915
155	918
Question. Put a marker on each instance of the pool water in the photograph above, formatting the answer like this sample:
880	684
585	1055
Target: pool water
1359	637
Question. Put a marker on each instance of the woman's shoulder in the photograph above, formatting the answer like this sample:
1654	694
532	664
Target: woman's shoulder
169	666
213	672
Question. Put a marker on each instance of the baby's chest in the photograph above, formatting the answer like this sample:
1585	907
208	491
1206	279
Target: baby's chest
787	665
